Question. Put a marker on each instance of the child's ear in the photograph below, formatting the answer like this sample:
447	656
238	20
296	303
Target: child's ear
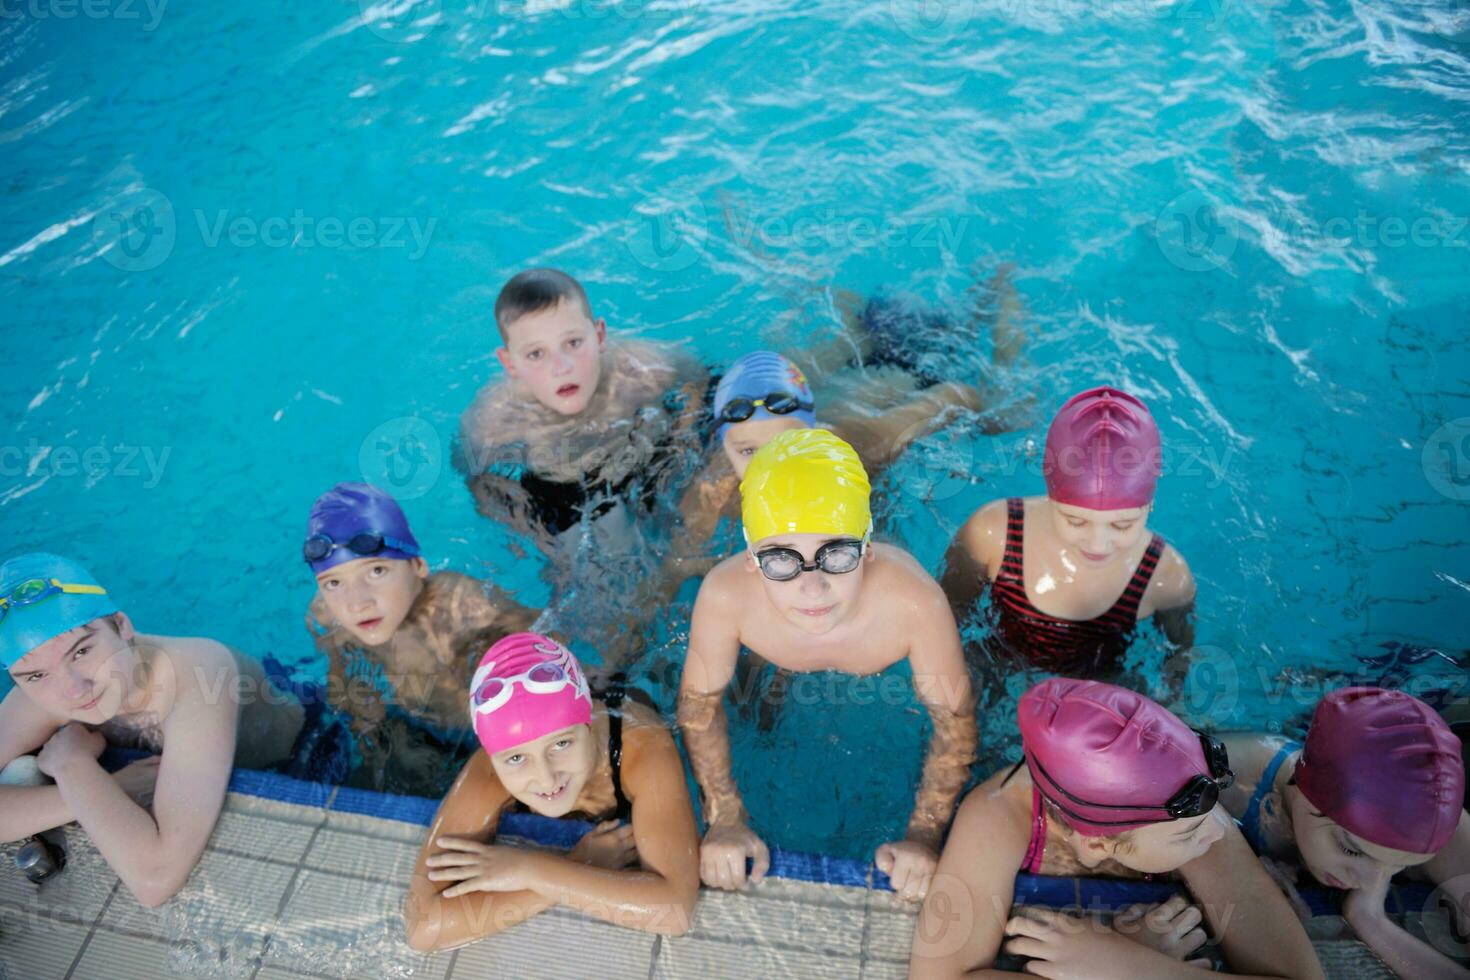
420	567
506	361
600	324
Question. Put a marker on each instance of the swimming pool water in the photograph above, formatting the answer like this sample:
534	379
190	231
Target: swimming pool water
250	250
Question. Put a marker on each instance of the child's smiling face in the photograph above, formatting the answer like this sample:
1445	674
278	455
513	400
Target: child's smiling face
557	354
371	597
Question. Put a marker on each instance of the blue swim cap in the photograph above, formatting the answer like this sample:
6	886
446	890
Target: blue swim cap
350	509
757	375
28	625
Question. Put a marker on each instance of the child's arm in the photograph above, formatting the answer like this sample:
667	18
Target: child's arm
977	547
942	682
1450	870
471	812
714	647
962	923
1408	957
1259	934
659	895
154	853
27	810
1171	592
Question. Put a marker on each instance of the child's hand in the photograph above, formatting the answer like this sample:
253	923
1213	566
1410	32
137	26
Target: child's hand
478	867
909	866
723	853
1063	947
609	845
1366	904
70	743
1172	927
138	778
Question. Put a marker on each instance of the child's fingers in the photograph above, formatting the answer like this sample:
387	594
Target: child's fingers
1187	920
760	863
452	874
1026	946
458	844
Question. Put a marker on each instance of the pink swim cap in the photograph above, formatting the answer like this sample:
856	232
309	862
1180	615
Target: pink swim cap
1383	765
1102	452
527	686
1090	741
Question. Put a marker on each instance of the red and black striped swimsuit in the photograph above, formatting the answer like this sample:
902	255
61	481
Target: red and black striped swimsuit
1077	648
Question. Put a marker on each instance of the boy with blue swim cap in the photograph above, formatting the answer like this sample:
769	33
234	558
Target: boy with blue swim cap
813	592
85	679
380	616
764	394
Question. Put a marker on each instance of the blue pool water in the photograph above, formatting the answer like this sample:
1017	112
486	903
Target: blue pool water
251	249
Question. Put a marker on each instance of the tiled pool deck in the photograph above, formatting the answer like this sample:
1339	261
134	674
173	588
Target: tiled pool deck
310	889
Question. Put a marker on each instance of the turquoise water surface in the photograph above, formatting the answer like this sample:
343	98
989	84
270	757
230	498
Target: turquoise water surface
250	250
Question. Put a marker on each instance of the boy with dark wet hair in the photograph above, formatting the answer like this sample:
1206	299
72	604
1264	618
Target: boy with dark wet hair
580	424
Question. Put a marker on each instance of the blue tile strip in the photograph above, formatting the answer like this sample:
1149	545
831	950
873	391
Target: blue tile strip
1093	894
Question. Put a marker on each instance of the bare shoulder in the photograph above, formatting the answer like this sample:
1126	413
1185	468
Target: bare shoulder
727	586
198	667
990	821
644	733
1172	583
481	421
900	575
983	536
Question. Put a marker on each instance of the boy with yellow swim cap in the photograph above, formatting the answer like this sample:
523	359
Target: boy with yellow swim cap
813	592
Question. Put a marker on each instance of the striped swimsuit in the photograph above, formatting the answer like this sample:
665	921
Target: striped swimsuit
1078	648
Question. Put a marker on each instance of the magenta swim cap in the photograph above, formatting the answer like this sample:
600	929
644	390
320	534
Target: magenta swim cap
1102	452
1086	740
527	686
1385	766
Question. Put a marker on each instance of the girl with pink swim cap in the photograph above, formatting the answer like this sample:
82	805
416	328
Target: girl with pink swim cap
1378	788
554	748
1072	573
1111	784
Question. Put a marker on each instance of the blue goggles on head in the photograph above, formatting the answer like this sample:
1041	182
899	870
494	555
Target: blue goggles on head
364	544
35	590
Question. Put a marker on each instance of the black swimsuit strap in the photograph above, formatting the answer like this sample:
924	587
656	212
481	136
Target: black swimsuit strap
613	699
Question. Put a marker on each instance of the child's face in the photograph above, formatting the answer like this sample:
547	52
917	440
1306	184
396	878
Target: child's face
548	773
370	597
1098	537
85	674
1158	848
742	439
556	354
813	602
1338	858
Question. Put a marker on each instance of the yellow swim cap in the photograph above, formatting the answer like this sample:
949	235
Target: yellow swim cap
805	481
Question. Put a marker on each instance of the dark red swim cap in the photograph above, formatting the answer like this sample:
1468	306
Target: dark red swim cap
1102	452
1385	766
1108	745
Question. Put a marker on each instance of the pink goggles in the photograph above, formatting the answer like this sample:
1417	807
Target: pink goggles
488	693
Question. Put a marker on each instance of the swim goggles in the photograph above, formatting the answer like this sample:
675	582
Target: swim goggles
489	693
777	403
35	590
364	544
1196	798
835	558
